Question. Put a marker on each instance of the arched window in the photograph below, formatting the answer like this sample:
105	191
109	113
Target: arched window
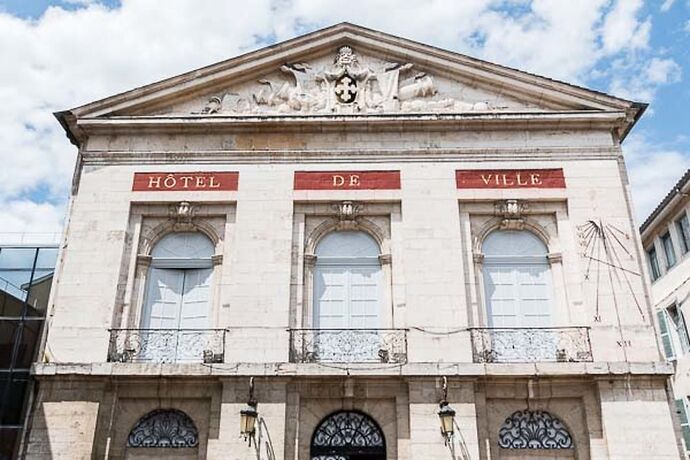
348	435
527	429
164	428
179	280
517	280
347	282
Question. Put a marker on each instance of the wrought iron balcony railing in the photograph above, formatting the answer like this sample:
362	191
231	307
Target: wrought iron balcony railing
348	345
167	345
526	345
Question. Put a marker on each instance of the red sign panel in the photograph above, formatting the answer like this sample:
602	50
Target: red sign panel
510	178
192	181
347	180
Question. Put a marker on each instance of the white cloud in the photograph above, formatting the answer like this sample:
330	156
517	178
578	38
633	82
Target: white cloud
663	71
623	29
653	170
67	58
687	26
22	216
667	5
641	84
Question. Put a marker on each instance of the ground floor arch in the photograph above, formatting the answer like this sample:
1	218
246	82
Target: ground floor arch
348	435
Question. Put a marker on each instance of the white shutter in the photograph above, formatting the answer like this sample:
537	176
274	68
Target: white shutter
194	310
683	332
682	411
364	292
330	298
665	335
163	299
535	296
500	285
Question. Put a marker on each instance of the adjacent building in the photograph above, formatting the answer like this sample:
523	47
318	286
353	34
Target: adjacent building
666	240
352	246
26	274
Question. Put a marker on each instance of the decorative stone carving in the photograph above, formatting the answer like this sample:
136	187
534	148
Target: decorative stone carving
182	214
346	86
348	210
511	211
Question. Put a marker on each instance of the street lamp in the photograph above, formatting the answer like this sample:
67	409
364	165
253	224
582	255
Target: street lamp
249	415
248	418
447	416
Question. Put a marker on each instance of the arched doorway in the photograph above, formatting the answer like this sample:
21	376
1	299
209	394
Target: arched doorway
348	435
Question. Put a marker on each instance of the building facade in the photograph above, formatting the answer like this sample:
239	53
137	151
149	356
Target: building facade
666	241
26	274
346	230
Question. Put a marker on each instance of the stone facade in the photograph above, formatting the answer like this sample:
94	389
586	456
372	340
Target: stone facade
408	111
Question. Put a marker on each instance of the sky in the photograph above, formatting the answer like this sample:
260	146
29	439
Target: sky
59	54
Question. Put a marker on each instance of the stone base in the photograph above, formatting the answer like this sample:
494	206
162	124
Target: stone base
80	417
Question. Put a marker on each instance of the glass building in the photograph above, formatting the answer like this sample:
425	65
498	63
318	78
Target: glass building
26	274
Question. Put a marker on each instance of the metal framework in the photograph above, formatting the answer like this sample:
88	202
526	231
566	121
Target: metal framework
526	429
167	345
347	433
519	345
348	345
164	428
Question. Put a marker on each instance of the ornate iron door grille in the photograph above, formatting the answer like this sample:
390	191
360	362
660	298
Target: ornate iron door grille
537	429
348	435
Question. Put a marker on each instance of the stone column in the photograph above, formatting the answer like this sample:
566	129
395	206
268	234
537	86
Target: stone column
636	418
425	429
64	420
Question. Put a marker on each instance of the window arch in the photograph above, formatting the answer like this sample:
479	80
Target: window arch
517	279
183	250
348	435
527	429
347	281
164	428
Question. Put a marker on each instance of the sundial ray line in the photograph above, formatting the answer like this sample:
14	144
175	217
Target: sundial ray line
627	280
615	237
598	246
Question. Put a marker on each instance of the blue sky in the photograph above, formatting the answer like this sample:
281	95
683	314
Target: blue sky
68	52
669	121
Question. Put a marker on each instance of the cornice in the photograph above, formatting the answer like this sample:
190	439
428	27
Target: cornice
599	369
376	122
287	156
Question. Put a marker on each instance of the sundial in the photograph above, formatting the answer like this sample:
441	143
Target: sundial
607	255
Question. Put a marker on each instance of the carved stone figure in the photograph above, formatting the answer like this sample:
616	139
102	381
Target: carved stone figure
346	86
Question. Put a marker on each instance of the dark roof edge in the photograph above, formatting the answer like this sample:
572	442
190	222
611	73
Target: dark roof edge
675	190
66	119
640	108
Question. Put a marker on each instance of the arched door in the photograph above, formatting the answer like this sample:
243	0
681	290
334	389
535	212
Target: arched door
347	299
347	282
517	280
348	435
177	296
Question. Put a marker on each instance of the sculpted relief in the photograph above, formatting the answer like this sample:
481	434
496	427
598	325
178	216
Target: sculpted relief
347	86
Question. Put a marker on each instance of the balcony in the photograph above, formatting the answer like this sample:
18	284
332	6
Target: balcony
527	345
167	345
348	346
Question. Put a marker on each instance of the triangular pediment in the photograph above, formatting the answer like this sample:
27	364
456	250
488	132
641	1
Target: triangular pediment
347	81
347	69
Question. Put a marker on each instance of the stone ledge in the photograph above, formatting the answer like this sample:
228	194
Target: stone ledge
316	370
